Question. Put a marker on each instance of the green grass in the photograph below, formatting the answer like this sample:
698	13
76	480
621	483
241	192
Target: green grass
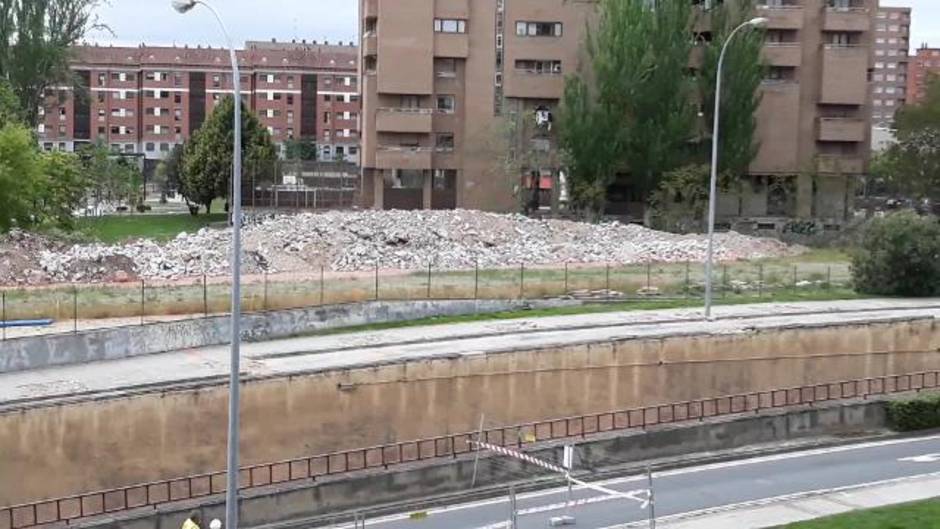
652	304
115	228
920	515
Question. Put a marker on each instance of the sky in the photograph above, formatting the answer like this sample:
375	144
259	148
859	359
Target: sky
155	22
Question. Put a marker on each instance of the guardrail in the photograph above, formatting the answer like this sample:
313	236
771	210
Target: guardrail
151	495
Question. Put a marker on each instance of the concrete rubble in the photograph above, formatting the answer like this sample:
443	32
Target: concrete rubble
403	240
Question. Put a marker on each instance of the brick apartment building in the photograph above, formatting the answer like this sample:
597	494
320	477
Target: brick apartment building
146	99
441	79
890	74
924	65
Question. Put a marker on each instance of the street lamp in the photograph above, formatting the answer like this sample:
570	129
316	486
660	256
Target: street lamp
231	479
713	184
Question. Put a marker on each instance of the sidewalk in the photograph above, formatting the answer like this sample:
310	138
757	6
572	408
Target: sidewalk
774	512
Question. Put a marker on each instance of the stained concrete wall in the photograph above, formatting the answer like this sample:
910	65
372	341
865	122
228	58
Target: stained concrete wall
34	352
370	490
63	449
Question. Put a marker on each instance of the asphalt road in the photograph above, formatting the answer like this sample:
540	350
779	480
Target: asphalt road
694	489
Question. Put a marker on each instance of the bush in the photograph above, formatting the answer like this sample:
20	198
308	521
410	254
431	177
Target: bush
899	256
922	413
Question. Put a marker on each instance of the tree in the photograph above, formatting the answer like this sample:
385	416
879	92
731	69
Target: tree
20	170
111	177
912	165
899	256
637	95
741	78
61	189
35	41
305	150
207	160
681	200
9	105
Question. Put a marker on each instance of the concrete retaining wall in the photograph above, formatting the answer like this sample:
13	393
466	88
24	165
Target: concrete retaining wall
370	491
33	352
122	439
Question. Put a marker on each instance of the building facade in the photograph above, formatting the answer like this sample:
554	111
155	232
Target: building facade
924	65
890	74
147	99
446	82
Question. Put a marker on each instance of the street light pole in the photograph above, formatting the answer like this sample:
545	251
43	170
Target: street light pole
713	183
231	478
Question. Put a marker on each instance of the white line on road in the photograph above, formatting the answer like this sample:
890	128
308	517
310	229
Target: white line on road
676	472
926	458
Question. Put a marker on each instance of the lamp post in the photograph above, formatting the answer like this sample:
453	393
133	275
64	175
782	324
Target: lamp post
231	478
713	184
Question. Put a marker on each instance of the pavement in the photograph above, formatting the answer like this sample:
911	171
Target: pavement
293	356
750	493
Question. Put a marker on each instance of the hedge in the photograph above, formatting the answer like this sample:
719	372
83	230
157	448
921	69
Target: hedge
921	413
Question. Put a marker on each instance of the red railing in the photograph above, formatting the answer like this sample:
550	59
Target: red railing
153	494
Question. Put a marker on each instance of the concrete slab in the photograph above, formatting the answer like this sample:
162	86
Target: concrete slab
285	357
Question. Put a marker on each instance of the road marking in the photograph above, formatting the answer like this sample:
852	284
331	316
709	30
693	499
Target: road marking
677	472
774	500
926	458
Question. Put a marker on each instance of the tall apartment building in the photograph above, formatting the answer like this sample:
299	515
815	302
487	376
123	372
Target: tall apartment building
890	76
145	100
446	82
924	65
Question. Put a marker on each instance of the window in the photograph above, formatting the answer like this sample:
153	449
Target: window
889	102
178	114
889	90
102	78
290	99
877	102
177	79
178	98
445	141
326	117
880	40
290	133
879	53
892	65
290	117
129	147
150	147
879	89
164	147
444	179
839	39
102	97
409	101
538	29
445	67
216	81
450	25
879	65
890	77
102	131
290	81
878	77
446	104
538	67
41	128
327	98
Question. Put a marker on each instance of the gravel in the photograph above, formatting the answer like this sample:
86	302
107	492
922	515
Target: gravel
353	241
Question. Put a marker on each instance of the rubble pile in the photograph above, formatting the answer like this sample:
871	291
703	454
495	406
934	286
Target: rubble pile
406	240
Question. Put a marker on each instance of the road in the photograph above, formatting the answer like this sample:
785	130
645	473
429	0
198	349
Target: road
690	490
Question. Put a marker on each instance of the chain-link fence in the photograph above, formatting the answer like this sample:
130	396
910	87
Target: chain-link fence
74	308
300	185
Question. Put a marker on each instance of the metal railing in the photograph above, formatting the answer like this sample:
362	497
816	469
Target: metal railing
151	495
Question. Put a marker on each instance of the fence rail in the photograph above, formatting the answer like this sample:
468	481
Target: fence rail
154	494
75	308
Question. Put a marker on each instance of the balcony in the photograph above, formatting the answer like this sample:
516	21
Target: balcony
842	129
410	120
843	165
525	84
371	9
845	75
847	19
370	45
783	53
782	16
459	9
392	157
451	45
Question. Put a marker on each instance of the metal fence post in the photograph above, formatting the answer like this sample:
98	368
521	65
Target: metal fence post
760	280
649	275
205	296
607	281
828	277
428	295
688	271
3	303
321	285
522	281
566	279
476	280
143	307
74	309
794	277
265	298
724	281
376	280
652	498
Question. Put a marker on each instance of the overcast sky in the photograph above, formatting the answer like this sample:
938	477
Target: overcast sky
154	22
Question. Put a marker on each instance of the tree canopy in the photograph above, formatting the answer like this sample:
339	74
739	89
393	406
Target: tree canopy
207	159
35	41
912	165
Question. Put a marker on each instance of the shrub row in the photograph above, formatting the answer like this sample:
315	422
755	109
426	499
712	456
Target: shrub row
921	413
